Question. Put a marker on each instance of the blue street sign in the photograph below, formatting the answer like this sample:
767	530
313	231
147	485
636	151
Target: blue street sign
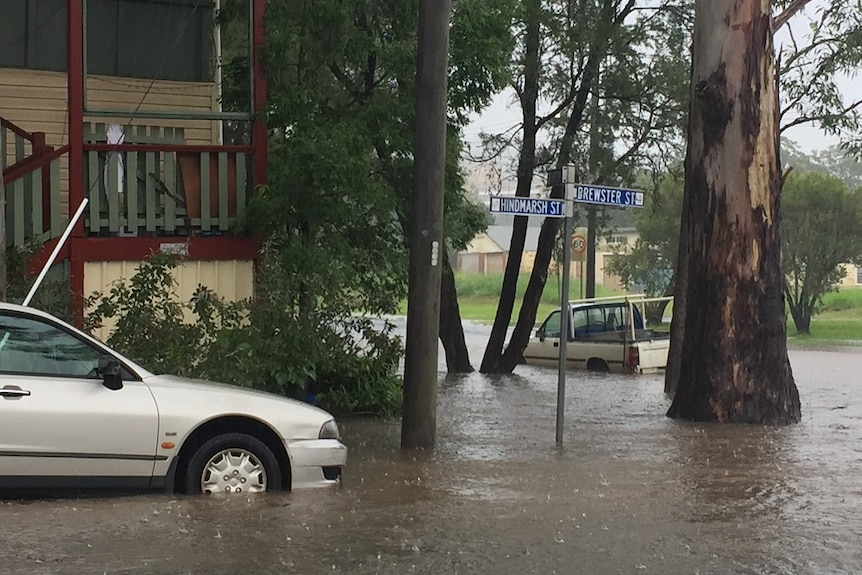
619	197
544	207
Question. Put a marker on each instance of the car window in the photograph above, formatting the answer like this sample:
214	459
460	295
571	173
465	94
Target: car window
551	328
33	347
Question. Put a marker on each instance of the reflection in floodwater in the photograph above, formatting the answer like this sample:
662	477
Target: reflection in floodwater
629	492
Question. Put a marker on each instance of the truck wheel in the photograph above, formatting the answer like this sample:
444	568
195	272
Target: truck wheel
596	364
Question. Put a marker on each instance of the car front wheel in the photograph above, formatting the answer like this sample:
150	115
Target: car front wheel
233	463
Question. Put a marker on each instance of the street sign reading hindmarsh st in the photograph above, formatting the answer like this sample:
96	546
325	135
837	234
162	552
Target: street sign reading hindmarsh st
548	208
606	196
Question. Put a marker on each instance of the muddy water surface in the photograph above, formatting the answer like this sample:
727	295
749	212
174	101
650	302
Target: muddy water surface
631	492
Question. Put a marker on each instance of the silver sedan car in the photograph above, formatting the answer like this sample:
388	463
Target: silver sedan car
75	414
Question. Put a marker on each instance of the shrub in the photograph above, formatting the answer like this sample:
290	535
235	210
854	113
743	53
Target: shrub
342	362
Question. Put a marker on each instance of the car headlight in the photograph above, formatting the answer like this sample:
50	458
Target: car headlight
329	430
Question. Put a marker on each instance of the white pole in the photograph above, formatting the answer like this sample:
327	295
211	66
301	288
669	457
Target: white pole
56	251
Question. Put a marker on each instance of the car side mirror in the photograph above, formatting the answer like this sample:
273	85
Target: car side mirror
540	334
112	377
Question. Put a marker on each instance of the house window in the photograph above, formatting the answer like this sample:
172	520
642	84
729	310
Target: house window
619	240
151	39
859	274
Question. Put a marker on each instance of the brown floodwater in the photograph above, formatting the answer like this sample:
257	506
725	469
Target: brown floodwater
630	492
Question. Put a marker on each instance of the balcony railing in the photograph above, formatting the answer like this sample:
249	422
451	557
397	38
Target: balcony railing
16	144
152	184
155	184
31	178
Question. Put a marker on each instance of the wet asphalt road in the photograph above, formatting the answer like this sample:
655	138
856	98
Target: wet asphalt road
631	492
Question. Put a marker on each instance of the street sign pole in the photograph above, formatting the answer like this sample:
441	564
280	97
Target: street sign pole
556	208
564	307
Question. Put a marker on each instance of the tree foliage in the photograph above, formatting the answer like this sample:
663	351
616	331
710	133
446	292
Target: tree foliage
602	72
650	264
822	219
823	47
340	110
343	363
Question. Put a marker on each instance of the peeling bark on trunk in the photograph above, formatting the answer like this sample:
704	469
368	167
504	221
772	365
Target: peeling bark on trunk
734	365
451	328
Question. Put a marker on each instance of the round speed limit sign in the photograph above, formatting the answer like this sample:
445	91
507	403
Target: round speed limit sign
579	244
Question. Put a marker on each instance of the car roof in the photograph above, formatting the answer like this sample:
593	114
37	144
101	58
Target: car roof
18	307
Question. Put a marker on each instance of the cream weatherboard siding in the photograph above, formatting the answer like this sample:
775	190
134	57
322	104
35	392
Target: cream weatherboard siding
232	280
36	101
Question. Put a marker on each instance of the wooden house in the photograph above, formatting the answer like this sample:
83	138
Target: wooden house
117	101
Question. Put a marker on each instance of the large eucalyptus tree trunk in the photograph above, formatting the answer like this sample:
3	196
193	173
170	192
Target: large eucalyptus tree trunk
733	365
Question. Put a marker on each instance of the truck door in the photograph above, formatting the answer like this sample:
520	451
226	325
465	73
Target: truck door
547	342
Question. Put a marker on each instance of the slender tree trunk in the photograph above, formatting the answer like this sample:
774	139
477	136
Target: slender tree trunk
801	318
734	365
451	328
419	423
608	23
523	329
526	163
527	317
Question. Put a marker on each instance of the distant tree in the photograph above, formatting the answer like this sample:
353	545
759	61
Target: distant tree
833	161
795	158
842	164
651	262
822	219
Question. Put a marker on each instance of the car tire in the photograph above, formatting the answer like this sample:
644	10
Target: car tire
233	463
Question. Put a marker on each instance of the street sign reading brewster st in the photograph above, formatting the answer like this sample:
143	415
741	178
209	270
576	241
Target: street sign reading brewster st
545	207
605	196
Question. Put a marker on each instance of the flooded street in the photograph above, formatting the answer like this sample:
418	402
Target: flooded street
631	492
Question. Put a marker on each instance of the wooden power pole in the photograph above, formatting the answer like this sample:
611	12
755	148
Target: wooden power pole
2	235
419	424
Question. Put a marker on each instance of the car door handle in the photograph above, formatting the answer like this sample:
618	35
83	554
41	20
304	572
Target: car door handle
556	344
13	392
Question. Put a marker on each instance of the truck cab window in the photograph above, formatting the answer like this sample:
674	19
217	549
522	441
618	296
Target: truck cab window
580	322
551	327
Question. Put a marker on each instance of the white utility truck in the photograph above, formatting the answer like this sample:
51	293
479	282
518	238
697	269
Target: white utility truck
605	334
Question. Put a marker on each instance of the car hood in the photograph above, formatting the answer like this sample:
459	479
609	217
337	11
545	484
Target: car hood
207	399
